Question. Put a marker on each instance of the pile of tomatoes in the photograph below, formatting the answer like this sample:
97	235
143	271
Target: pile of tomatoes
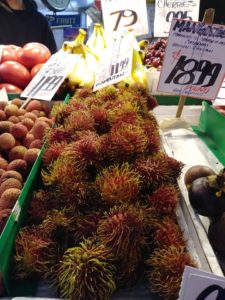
18	65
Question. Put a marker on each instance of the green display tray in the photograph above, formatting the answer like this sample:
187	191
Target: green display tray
211	129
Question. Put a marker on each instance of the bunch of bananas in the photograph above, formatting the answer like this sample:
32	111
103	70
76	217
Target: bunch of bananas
83	73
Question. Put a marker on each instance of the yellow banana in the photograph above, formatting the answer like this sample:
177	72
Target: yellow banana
68	46
97	41
143	44
138	73
83	74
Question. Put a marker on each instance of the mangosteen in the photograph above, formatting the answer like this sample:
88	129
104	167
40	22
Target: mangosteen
216	233
204	199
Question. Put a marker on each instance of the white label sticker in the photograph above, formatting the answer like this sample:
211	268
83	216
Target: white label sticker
194	63
47	81
166	11
116	62
16	211
122	15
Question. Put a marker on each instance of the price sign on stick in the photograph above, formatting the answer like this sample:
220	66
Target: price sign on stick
200	285
122	15
166	11
194	63
116	62
47	81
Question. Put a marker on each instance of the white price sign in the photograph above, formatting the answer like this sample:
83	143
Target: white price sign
200	285
122	15
116	62
47	81
194	62
167	10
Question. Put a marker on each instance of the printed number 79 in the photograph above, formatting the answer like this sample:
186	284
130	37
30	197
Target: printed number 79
125	14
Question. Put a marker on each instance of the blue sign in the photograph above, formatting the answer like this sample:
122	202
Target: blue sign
64	20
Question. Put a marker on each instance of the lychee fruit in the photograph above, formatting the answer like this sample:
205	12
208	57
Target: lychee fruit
11	174
11	110
39	129
10	183
7	141
3	163
14	119
34	105
9	198
36	144
17	152
18	130
28	122
19	165
31	155
5	126
18	102
2	115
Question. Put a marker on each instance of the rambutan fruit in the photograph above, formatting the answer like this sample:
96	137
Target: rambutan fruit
83	93
67	177
59	113
58	227
152	133
87	272
101	119
174	165
157	170
34	253
168	233
167	267
58	135
164	200
39	205
126	142
108	93
86	225
53	151
86	150
79	120
123	231
118	184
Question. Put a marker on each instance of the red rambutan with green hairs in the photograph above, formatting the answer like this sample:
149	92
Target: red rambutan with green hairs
167	267
83	93
123	230
58	227
125	143
86	225
118	184
108	93
152	133
101	119
41	202
57	135
158	169
59	112
68	178
35	254
167	233
80	120
164	200
87	272
52	152
86	149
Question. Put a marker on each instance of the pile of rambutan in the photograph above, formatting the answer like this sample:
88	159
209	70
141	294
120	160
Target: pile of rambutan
105	213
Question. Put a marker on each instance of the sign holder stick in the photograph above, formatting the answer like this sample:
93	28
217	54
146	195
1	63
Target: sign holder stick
208	19
26	102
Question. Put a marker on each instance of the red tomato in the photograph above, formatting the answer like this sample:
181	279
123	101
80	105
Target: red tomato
10	88
10	53
14	73
32	54
35	70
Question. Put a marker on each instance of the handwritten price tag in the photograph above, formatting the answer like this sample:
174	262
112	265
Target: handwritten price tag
116	62
47	81
122	15
194	64
200	285
166	11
